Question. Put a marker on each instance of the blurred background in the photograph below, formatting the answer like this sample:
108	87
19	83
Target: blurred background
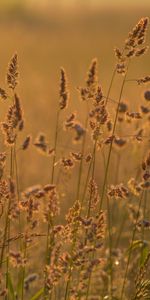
48	34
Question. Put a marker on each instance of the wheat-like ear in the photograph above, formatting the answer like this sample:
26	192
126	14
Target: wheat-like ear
12	73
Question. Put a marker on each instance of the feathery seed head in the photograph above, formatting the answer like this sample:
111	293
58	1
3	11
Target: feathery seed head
12	73
63	93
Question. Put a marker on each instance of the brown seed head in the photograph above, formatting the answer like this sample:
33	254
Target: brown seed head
12	73
26	142
147	95
143	80
3	94
63	93
92	75
41	143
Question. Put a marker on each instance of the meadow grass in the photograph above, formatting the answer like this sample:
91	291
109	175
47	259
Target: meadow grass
98	248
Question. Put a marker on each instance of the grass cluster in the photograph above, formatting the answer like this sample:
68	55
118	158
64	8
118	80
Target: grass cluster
99	248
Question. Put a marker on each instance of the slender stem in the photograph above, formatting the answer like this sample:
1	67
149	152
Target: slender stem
124	217
81	162
111	144
5	235
93	160
131	79
82	200
16	171
105	180
70	271
87	179
23	272
7	229
18	191
110	248
144	216
68	284
93	171
130	250
117	167
89	212
50	240
110	99
110	85
114	203
55	146
71	264
77	196
123	221
8	223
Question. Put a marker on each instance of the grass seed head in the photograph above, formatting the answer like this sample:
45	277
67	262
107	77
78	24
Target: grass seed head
63	93
12	73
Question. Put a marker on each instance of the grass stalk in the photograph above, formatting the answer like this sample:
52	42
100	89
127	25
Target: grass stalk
23	272
50	239
111	144
106	101
8	222
82	158
130	250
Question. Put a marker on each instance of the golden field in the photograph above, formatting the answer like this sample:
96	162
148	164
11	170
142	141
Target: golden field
75	157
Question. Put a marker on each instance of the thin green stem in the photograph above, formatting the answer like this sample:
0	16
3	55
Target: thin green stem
130	250
111	144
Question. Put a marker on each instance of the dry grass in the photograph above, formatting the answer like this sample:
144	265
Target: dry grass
98	248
